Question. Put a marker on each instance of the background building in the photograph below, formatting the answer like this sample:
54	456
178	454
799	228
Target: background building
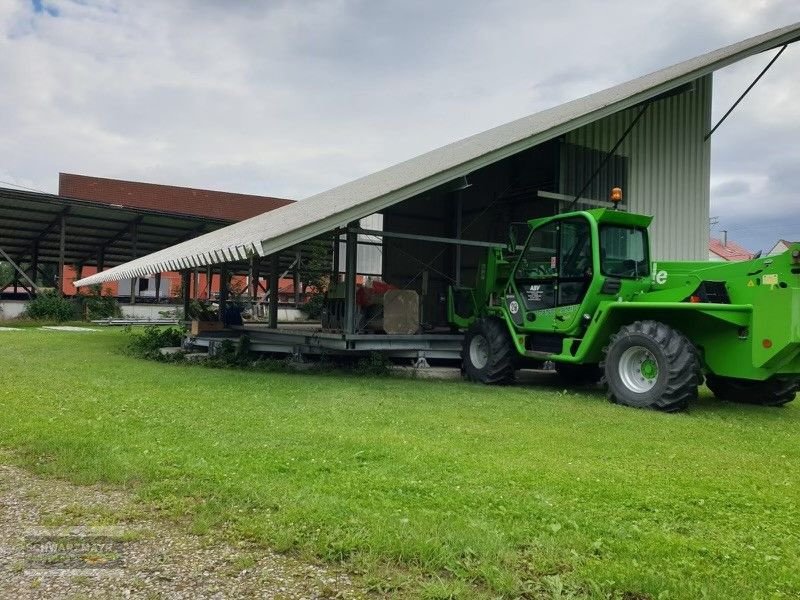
726	250
780	247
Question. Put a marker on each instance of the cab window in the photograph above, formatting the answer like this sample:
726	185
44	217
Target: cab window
623	252
575	261
539	258
575	248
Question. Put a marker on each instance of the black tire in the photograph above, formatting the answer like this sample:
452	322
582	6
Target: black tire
669	371
488	354
575	374
772	392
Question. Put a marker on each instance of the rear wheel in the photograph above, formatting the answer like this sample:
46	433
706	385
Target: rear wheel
651	365
579	374
488	355
773	392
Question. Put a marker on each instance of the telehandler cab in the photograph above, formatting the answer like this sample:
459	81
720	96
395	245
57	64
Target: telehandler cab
580	290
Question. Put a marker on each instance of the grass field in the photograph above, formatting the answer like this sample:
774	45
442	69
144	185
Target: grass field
427	489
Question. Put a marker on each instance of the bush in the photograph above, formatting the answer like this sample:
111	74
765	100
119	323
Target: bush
232	354
148	343
313	306
96	305
202	311
373	363
50	305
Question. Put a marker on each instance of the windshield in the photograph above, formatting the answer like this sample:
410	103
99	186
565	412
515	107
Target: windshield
623	251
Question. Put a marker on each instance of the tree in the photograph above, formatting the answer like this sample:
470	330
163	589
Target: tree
6	274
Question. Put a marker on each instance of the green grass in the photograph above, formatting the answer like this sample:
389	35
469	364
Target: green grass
426	489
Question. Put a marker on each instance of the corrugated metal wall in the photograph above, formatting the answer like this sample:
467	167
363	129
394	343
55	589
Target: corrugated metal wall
669	168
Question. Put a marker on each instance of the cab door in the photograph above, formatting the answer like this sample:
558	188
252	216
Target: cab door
575	271
532	300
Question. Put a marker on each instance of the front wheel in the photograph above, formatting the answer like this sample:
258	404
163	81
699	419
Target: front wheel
773	392
651	365
488	355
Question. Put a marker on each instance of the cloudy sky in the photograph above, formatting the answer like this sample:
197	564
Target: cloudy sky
291	98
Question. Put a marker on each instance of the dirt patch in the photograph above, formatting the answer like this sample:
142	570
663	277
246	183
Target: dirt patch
59	540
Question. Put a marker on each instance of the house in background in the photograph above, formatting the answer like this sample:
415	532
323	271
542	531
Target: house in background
780	247
211	206
726	250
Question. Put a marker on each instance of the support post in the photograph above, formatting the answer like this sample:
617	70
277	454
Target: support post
62	243
158	288
34	267
351	263
336	253
274	268
296	278
134	255
255	275
209	279
185	294
459	209
196	284
223	291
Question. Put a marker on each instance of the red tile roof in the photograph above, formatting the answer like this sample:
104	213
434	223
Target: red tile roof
730	251
167	198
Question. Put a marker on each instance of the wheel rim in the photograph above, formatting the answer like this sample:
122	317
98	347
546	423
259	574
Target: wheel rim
638	369
479	351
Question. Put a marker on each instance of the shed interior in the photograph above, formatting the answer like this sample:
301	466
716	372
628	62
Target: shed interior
534	183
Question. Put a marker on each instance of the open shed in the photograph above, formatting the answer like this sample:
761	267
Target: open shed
442	209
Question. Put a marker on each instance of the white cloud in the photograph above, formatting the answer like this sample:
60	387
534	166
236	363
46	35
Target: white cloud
290	98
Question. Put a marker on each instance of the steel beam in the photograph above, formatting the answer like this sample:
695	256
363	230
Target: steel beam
120	233
18	269
57	222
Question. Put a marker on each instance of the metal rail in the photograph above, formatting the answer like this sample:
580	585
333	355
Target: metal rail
749	87
428	238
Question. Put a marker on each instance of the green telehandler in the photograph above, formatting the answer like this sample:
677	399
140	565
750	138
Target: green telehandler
580	290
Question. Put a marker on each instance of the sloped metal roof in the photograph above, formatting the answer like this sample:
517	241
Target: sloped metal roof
30	223
294	223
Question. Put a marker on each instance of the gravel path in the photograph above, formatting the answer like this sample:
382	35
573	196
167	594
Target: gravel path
58	540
